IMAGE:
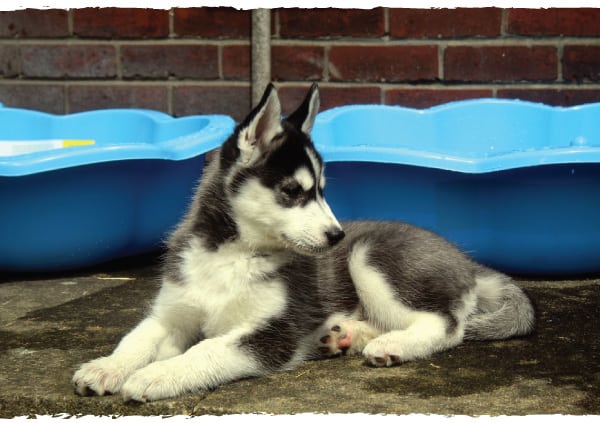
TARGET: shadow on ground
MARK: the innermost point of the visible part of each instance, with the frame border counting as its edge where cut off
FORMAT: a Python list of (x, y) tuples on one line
[(50, 325)]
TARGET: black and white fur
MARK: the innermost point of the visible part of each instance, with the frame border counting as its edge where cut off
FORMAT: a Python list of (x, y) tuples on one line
[(260, 276)]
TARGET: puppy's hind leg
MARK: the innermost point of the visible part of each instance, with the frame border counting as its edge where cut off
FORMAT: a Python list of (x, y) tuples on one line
[(425, 336), (409, 333)]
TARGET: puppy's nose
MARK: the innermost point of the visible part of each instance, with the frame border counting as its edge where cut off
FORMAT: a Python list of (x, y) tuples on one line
[(334, 236)]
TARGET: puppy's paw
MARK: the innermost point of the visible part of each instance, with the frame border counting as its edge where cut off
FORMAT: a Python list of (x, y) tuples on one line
[(102, 376), (153, 382), (347, 337), (380, 353), (338, 340)]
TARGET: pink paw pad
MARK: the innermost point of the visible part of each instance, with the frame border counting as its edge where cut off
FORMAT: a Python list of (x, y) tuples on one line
[(337, 341)]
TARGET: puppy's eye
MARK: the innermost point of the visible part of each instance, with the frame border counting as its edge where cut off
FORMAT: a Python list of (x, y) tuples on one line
[(292, 190)]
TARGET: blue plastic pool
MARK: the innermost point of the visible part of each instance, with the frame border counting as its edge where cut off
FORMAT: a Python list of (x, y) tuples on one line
[(514, 184), (73, 207)]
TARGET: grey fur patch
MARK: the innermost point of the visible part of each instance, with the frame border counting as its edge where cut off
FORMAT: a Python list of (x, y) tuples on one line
[(426, 272), (276, 343)]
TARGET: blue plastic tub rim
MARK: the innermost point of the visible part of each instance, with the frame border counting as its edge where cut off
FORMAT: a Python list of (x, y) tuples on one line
[(470, 136), (119, 134)]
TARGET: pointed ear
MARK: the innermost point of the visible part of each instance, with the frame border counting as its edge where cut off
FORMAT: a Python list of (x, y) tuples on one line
[(260, 127), (304, 117)]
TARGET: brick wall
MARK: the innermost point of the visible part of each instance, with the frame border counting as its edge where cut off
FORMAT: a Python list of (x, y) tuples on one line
[(189, 61)]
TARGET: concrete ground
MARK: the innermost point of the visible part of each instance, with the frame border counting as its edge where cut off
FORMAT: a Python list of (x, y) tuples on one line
[(51, 324)]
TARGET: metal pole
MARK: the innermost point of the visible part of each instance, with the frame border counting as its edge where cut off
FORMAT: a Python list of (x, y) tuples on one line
[(261, 52)]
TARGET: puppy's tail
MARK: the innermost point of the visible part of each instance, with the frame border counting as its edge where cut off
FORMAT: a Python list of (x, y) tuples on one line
[(503, 309)]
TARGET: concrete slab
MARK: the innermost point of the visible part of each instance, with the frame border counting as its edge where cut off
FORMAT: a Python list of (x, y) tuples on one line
[(51, 324)]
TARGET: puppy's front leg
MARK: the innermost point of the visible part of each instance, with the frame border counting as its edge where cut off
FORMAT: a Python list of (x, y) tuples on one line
[(207, 364), (106, 375)]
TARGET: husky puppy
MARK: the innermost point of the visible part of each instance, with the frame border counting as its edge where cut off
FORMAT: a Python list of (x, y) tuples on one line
[(260, 276)]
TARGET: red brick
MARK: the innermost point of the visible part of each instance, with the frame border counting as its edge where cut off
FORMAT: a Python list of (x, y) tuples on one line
[(423, 98), (31, 23), (43, 97), (10, 65), (510, 63), (91, 97), (212, 22), (581, 63), (555, 21), (170, 61), (340, 96), (297, 63), (383, 63), (553, 96), (232, 100), (292, 96), (331, 23), (68, 61), (445, 23), (236, 61), (112, 22)]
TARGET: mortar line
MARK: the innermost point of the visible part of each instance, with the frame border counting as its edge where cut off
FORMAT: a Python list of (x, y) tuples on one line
[(326, 75), (170, 106), (67, 92), (70, 23), (276, 25), (172, 34), (348, 42), (386, 22), (118, 61), (441, 62), (455, 86), (560, 48), (220, 70), (504, 24), (583, 86)]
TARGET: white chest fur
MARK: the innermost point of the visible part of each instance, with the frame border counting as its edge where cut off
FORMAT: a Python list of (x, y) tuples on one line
[(223, 290)]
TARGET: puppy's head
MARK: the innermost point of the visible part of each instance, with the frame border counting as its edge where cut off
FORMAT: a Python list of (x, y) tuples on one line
[(275, 178)]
